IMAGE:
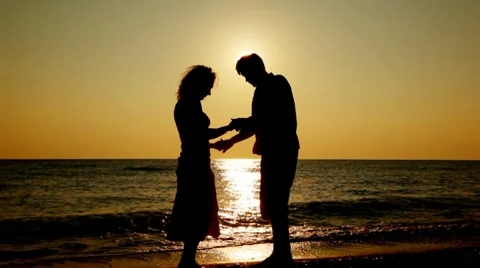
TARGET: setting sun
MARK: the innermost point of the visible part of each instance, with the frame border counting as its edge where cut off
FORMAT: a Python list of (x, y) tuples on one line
[(359, 144), (399, 89)]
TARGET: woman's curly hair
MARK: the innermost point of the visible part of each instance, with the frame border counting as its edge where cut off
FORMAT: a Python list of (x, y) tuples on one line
[(195, 77)]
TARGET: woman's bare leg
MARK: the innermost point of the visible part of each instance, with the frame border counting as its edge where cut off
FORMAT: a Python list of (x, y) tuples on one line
[(188, 254)]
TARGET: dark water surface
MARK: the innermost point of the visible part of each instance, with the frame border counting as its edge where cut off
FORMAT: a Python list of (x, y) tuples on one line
[(58, 208)]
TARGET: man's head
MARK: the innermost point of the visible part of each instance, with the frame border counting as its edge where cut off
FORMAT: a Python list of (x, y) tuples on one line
[(252, 68)]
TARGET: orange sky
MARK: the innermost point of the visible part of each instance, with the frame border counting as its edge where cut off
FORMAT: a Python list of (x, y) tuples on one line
[(372, 79)]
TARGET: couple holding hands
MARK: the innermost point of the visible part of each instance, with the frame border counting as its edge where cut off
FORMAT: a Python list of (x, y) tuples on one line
[(237, 124), (273, 123)]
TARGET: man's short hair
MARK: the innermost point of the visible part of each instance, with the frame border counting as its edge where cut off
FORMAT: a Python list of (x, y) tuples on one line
[(250, 62)]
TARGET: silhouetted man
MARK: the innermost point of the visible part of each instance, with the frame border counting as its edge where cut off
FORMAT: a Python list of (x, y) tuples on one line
[(274, 124)]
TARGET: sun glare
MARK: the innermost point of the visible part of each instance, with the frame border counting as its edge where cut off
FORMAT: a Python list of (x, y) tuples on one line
[(244, 53), (242, 184), (248, 253)]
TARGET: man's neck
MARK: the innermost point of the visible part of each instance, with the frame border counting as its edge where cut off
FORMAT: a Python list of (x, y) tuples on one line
[(263, 78)]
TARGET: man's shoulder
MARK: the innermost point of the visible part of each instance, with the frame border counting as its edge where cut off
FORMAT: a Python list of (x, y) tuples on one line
[(280, 81), (279, 76), (273, 83)]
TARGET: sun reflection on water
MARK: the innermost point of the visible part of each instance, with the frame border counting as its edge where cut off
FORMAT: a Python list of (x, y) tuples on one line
[(238, 187)]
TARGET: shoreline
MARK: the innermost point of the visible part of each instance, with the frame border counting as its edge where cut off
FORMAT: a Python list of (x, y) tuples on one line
[(306, 254)]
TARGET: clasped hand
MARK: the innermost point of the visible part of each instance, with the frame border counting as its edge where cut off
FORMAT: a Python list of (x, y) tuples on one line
[(238, 123), (224, 145)]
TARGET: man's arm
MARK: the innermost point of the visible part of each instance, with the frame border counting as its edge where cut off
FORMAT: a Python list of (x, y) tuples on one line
[(246, 126), (242, 123), (225, 145), (247, 130), (241, 136), (237, 123)]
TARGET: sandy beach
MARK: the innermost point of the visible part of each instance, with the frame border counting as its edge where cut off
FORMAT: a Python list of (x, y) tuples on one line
[(307, 254)]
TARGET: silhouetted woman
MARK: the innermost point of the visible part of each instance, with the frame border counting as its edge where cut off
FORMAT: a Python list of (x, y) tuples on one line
[(195, 211)]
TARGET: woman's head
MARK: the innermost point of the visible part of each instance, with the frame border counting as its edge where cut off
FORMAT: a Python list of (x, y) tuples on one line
[(196, 83)]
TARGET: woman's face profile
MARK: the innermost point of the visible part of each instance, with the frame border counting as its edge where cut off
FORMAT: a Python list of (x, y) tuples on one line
[(207, 89)]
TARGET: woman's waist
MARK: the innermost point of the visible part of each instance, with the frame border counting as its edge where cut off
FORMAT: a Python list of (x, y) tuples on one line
[(194, 157), (198, 166), (195, 148)]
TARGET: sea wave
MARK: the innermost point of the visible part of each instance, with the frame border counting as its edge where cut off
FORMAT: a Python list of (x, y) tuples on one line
[(138, 243), (22, 230), (384, 206), (150, 168), (111, 234), (362, 212)]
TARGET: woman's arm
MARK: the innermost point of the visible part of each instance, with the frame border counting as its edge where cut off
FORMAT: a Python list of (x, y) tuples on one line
[(225, 145), (246, 125), (214, 133)]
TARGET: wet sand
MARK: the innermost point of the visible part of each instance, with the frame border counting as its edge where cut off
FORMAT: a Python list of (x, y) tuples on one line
[(307, 254)]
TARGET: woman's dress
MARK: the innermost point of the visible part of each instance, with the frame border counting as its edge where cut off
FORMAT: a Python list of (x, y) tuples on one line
[(195, 210)]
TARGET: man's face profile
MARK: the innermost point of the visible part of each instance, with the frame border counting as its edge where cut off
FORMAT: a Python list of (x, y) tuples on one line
[(250, 78)]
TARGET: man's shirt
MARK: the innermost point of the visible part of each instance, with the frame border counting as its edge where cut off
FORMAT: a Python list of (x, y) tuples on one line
[(274, 118)]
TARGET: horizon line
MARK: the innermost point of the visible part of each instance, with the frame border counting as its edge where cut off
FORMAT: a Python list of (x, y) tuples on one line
[(245, 158)]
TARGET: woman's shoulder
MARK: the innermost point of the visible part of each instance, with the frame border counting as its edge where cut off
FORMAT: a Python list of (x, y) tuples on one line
[(185, 106), (178, 107)]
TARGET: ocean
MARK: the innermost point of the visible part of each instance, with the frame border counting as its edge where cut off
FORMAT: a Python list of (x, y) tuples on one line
[(72, 208)]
